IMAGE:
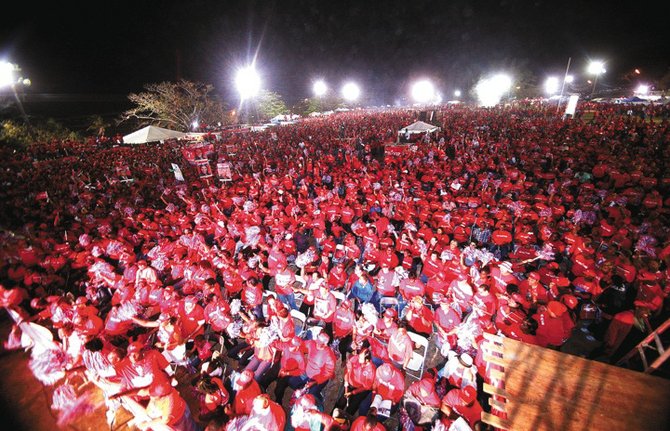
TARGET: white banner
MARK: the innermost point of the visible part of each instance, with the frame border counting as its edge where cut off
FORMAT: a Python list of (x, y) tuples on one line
[(572, 105), (177, 172)]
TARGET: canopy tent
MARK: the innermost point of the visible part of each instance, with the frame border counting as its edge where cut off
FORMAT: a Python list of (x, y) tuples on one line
[(151, 134), (419, 127)]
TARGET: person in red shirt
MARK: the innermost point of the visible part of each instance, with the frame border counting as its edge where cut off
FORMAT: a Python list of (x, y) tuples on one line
[(386, 281), (359, 376), (447, 319), (265, 415), (389, 384), (337, 277), (463, 402), (419, 317), (321, 364), (325, 305), (367, 423), (400, 347), (212, 397), (192, 317), (245, 389), (283, 285), (554, 324), (292, 364), (167, 409)]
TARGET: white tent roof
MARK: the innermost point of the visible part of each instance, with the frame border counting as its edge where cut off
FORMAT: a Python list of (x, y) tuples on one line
[(151, 134), (419, 127)]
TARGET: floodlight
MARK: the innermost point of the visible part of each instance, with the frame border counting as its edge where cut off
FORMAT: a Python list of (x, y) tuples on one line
[(642, 89), (596, 68), (490, 91), (350, 91), (457, 93), (551, 85), (6, 74), (248, 82), (569, 79), (423, 91), (320, 88)]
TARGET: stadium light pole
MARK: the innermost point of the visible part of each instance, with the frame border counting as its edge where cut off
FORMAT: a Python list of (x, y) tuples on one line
[(248, 84), (596, 68), (423, 91), (8, 79), (320, 88), (351, 92)]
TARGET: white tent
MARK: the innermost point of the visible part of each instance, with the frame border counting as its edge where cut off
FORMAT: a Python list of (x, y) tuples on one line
[(419, 127), (151, 134)]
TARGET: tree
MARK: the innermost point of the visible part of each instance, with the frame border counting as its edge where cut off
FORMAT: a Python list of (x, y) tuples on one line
[(175, 105), (97, 125), (21, 134), (266, 105), (270, 104)]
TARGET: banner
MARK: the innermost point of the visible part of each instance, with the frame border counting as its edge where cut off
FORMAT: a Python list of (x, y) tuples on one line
[(203, 168), (177, 172), (123, 172), (198, 152), (572, 105), (223, 171)]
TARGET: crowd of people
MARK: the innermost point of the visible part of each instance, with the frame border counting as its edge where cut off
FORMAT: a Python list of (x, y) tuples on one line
[(322, 258)]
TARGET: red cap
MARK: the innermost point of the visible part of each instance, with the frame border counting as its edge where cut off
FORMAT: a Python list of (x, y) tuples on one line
[(570, 301), (469, 394)]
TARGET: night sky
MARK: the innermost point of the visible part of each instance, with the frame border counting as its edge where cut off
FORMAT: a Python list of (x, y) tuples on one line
[(115, 47)]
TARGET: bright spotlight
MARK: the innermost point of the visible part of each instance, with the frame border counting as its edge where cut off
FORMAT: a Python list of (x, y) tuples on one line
[(195, 124), (248, 82), (569, 79), (596, 68), (551, 85), (642, 89), (350, 91), (6, 74), (491, 90), (457, 93), (423, 91), (320, 88)]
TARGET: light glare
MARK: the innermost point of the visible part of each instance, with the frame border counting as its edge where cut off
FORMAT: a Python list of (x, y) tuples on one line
[(6, 74), (642, 89), (350, 91), (491, 90), (596, 68), (423, 91), (248, 82), (320, 88), (551, 85)]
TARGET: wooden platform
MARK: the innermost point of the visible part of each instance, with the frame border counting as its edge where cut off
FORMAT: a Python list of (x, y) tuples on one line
[(549, 390)]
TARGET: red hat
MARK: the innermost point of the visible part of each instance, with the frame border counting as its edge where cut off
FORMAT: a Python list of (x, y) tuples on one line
[(469, 394), (570, 301), (534, 276), (562, 282), (556, 308)]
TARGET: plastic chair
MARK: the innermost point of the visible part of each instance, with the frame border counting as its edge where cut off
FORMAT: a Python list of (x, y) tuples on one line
[(300, 322), (416, 365), (388, 302)]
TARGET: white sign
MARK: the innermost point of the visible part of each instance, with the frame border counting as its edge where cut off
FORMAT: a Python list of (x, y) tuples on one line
[(572, 105), (177, 172)]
